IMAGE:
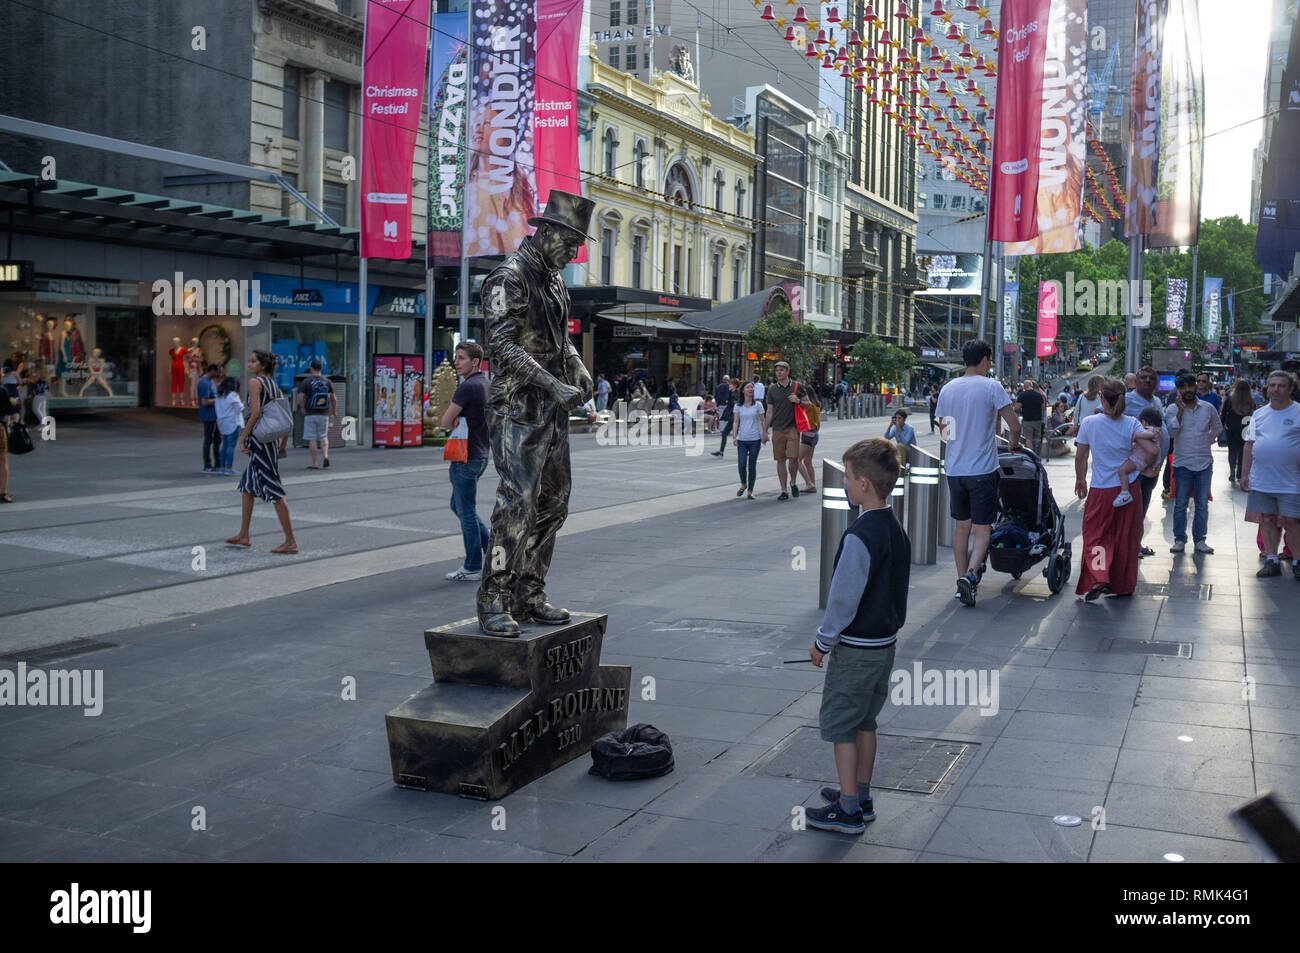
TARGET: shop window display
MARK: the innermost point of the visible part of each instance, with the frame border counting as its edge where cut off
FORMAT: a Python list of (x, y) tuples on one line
[(67, 348), (184, 354)]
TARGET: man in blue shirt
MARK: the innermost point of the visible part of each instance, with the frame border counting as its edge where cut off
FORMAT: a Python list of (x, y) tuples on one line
[(1206, 393), (900, 431), (207, 391)]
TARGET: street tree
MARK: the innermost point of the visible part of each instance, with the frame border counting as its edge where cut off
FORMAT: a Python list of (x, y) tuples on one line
[(877, 362), (779, 336)]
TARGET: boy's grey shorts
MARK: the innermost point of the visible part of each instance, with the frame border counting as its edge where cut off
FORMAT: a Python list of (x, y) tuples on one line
[(857, 684)]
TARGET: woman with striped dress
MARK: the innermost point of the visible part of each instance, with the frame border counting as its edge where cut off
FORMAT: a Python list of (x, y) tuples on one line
[(261, 479)]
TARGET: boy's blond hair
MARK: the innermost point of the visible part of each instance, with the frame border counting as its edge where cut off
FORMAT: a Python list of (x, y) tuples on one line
[(877, 460)]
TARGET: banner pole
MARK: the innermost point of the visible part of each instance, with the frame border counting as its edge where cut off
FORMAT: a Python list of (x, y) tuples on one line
[(985, 281), (361, 355), (1191, 292), (464, 204)]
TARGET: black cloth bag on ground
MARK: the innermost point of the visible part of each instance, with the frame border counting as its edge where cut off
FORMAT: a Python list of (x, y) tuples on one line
[(642, 751), (19, 441)]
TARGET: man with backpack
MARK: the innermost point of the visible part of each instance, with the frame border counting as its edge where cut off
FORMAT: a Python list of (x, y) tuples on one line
[(318, 404)]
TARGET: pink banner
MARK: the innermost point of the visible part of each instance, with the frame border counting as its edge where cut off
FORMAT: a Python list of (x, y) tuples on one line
[(396, 42), (523, 117), (1017, 131), (1062, 149), (1048, 295)]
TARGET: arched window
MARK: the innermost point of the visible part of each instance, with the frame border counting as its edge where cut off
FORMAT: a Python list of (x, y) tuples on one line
[(740, 195), (611, 144), (639, 153), (678, 186), (719, 185)]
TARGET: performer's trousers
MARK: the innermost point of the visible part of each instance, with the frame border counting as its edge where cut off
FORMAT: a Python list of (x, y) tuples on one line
[(532, 461)]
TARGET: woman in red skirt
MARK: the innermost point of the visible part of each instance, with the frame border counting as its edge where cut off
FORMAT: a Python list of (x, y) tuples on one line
[(1112, 535)]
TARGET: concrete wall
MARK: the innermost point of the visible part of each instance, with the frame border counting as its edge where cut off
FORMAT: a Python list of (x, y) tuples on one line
[(126, 69)]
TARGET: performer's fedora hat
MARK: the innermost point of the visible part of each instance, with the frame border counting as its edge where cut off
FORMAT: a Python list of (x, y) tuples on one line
[(567, 211)]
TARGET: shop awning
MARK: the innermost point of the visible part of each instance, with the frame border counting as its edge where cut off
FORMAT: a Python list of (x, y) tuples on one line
[(607, 300), (76, 210), (740, 315), (653, 324), (942, 366)]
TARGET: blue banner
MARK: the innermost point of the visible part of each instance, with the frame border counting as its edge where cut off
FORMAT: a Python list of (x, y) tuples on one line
[(278, 294), (1210, 306)]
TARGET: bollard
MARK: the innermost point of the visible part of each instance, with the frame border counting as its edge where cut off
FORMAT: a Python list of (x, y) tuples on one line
[(946, 522), (838, 515), (923, 506)]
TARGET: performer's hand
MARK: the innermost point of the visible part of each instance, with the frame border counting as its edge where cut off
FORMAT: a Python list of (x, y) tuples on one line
[(567, 394), (582, 380), (816, 656)]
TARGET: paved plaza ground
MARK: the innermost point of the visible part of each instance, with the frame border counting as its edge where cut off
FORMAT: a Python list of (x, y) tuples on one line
[(222, 683)]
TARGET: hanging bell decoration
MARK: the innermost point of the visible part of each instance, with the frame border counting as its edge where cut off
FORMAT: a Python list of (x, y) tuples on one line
[(767, 13)]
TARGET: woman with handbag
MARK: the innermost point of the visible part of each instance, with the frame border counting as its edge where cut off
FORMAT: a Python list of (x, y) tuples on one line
[(1237, 409), (6, 411), (808, 438), (264, 438)]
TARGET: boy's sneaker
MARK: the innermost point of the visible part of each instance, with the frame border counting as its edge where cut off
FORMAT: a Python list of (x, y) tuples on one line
[(1271, 568), (794, 491), (832, 817), (966, 588), (327, 463), (463, 575), (1180, 545), (1124, 498), (1203, 547), (831, 795)]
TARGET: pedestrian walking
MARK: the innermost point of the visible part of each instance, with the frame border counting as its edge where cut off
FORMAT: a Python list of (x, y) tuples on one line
[(261, 479), (933, 401), (207, 396), (1030, 405), (469, 403), (780, 423), (318, 404), (750, 435), (808, 439), (1090, 400), (1139, 399), (1271, 470), (602, 392), (727, 398), (865, 607), (1193, 426), (760, 390), (1112, 534), (6, 415), (1205, 392), (1237, 410), (900, 431), (968, 410), (230, 421)]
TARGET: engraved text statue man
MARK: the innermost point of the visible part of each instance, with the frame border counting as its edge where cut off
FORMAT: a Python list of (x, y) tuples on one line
[(539, 379)]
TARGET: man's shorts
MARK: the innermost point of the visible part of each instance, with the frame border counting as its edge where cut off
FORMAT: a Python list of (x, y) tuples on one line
[(785, 444), (974, 498), (1269, 504), (1032, 430), (857, 684), (315, 427)]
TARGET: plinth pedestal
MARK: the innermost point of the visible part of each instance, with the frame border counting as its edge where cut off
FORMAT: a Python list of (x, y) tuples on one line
[(504, 712)]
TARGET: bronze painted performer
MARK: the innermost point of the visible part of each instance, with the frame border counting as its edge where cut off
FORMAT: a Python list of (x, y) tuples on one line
[(539, 378)]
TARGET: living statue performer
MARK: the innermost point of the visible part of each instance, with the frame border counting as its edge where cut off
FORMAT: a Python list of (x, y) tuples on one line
[(539, 379)]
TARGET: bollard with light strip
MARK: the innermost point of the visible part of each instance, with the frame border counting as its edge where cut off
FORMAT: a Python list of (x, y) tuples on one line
[(946, 523), (838, 515), (898, 497), (923, 506)]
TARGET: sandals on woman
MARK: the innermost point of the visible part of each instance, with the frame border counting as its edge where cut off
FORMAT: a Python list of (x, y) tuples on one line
[(6, 498)]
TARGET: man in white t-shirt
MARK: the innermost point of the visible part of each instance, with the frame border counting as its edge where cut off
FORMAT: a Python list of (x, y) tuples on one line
[(1270, 470), (759, 389), (968, 410)]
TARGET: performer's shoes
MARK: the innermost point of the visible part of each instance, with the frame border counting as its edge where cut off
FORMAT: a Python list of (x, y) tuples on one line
[(545, 613), (499, 624)]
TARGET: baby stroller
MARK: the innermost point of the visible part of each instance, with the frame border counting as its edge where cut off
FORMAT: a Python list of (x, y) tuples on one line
[(1029, 526)]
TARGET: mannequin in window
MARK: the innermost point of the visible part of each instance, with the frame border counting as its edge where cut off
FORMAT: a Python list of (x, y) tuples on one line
[(177, 353), (193, 371), (98, 370), (72, 350)]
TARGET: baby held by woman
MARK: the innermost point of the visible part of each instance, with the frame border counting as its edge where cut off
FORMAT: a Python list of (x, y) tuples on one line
[(1145, 454)]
